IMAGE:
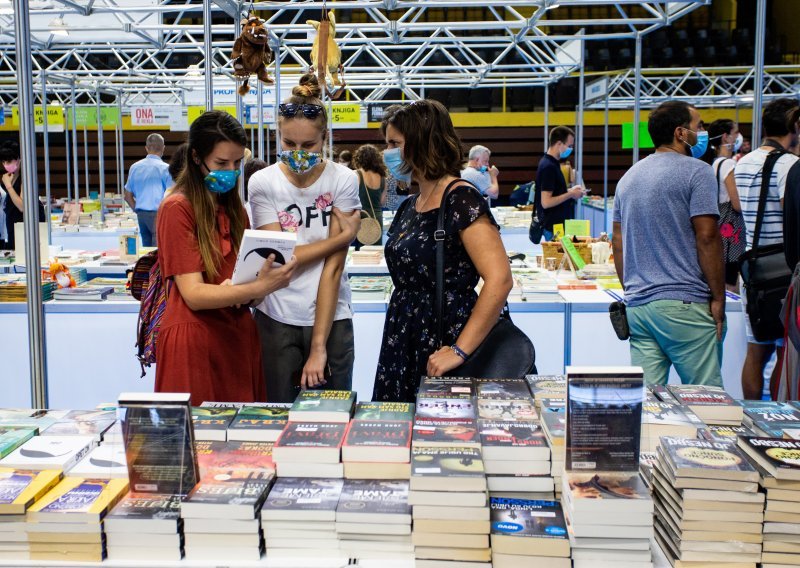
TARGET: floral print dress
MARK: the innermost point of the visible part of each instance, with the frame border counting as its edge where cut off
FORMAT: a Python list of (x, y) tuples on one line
[(409, 335)]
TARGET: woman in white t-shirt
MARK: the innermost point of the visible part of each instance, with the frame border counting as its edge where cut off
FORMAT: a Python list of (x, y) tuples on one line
[(306, 331), (724, 141)]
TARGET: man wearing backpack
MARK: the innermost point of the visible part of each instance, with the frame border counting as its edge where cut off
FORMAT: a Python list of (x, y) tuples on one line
[(778, 137)]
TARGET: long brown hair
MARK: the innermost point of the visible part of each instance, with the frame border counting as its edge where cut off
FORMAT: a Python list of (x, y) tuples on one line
[(205, 133), (432, 146), (369, 159)]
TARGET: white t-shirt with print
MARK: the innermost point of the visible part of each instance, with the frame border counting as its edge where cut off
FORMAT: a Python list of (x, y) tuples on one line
[(722, 169), (307, 212)]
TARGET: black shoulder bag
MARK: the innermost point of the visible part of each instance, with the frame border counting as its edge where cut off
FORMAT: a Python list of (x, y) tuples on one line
[(765, 274), (506, 352)]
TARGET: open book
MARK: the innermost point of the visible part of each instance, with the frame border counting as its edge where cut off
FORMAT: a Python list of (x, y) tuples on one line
[(255, 249)]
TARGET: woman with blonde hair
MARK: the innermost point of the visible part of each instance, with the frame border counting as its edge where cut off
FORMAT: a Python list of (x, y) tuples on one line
[(307, 328)]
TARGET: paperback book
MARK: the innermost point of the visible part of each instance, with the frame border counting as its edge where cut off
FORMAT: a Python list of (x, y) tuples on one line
[(256, 247), (447, 469), (433, 387), (259, 423), (323, 406), (13, 438), (105, 462), (19, 489), (317, 442), (547, 386), (303, 499), (49, 452), (528, 528), (237, 494), (403, 411), (606, 493), (513, 441), (506, 409), (720, 433), (687, 457), (211, 423), (145, 513), (502, 389), (374, 501), (377, 441), (604, 418), (778, 456), (711, 404), (429, 432), (78, 498), (455, 407)]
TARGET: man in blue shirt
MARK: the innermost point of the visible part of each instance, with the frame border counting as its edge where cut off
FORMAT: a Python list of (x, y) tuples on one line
[(480, 174), (668, 252), (553, 202), (148, 179)]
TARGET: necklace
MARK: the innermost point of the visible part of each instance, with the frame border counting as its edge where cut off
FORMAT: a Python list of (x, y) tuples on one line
[(431, 194)]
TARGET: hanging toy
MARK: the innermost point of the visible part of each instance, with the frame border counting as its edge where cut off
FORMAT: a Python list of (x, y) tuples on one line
[(326, 56), (251, 53), (60, 274)]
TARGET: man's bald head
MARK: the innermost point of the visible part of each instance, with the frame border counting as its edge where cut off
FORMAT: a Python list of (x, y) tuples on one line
[(155, 144)]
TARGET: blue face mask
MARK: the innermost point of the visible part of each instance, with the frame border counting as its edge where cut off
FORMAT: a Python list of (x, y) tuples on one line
[(566, 154), (483, 169), (396, 165), (738, 143), (702, 144), (221, 181)]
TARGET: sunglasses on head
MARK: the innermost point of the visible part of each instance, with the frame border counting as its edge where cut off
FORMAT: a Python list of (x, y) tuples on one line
[(289, 110)]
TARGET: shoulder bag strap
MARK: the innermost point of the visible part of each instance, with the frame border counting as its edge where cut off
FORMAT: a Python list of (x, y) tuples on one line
[(363, 183), (439, 237), (719, 163), (766, 176)]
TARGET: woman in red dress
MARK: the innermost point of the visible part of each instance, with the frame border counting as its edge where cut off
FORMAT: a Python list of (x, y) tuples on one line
[(208, 344)]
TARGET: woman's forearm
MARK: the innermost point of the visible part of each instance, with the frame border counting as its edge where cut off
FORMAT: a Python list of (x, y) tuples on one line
[(327, 299), (16, 198)]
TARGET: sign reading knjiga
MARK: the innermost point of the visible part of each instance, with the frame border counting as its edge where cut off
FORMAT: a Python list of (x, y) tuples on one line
[(55, 118)]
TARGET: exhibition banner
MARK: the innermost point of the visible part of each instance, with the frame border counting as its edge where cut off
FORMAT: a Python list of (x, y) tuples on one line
[(55, 118), (87, 117)]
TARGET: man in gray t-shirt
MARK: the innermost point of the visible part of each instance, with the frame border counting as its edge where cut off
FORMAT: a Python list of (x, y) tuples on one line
[(668, 253)]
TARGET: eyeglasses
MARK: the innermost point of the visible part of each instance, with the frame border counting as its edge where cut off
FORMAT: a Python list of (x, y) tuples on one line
[(289, 110)]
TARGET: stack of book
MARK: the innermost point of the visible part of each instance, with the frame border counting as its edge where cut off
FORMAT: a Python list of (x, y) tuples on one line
[(536, 286), (378, 441), (12, 438), (261, 422), (770, 418), (546, 387), (368, 257), (661, 418), (450, 507), (299, 518), (373, 519), (711, 404), (221, 514), (610, 519), (554, 426), (20, 489), (779, 463), (50, 452), (83, 423), (528, 533), (13, 288), (514, 448), (370, 288), (67, 523), (311, 443), (106, 461), (445, 413), (708, 508), (145, 527)]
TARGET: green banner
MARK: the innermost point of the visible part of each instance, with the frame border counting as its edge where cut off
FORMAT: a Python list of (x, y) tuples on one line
[(87, 116), (627, 136)]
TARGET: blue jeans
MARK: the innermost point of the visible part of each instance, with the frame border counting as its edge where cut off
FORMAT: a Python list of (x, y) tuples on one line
[(147, 227)]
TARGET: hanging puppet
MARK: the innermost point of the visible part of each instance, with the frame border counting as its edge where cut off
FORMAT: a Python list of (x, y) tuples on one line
[(251, 53), (326, 57)]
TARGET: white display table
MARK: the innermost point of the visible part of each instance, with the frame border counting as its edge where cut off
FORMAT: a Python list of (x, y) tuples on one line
[(87, 238)]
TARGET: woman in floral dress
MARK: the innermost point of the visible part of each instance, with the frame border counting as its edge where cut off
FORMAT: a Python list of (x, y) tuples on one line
[(423, 147), (306, 332)]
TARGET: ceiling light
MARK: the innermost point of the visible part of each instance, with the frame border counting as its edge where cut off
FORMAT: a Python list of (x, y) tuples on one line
[(58, 27)]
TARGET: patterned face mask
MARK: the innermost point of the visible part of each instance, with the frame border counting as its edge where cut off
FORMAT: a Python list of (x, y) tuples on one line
[(221, 181), (300, 161)]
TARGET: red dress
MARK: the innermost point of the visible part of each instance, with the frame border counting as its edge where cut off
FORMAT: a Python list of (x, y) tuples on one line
[(213, 354)]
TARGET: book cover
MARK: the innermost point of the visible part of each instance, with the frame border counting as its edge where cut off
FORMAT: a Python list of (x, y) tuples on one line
[(73, 427), (553, 405), (312, 435), (781, 457), (604, 418), (159, 442), (433, 387), (511, 434), (446, 462), (773, 428), (504, 409), (256, 247), (753, 407), (249, 488), (80, 496), (445, 432), (717, 433), (453, 407), (332, 403), (659, 413), (661, 392), (526, 518), (547, 386), (272, 417), (105, 461), (403, 411), (555, 426), (702, 458), (240, 455), (701, 395), (13, 438), (212, 418), (368, 433), (147, 507), (96, 293), (21, 488), (502, 389), (605, 487), (374, 497), (304, 494), (49, 452)]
